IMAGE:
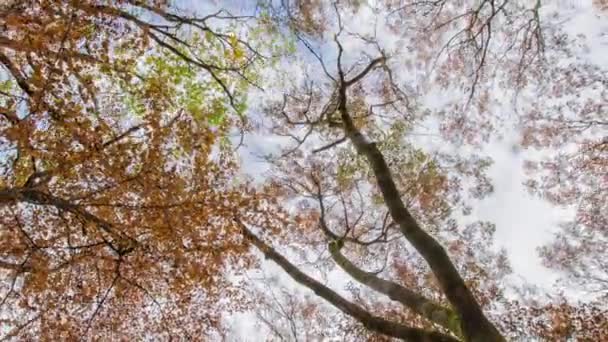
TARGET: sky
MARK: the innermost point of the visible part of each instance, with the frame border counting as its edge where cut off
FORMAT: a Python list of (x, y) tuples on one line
[(523, 221)]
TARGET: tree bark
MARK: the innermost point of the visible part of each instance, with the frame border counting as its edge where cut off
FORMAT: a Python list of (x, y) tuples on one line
[(475, 325)]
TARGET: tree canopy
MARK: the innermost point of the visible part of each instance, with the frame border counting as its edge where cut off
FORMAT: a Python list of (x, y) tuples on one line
[(128, 210)]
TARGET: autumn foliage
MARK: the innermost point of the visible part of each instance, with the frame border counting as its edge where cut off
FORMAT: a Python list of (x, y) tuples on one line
[(117, 200), (124, 214)]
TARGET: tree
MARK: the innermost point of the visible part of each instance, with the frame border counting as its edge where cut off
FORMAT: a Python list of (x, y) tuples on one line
[(572, 135), (328, 112), (538, 57), (116, 196), (342, 117), (124, 213)]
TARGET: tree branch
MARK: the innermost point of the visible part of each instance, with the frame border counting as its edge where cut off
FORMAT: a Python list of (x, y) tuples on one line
[(419, 304), (370, 321)]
